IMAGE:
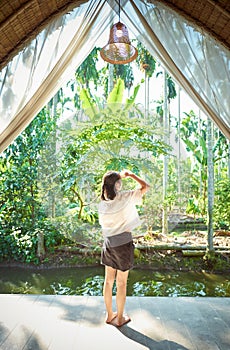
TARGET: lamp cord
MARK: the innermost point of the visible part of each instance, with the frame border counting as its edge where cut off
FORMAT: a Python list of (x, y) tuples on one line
[(119, 9)]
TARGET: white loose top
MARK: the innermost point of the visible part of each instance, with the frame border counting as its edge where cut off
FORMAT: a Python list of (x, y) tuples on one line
[(120, 214)]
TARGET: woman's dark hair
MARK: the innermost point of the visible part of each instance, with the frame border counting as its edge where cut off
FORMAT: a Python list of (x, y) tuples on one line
[(108, 184)]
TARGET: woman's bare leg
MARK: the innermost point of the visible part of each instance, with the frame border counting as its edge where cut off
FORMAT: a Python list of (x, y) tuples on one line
[(110, 275), (121, 283)]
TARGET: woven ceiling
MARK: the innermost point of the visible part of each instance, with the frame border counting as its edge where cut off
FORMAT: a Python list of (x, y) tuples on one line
[(213, 16), (22, 20)]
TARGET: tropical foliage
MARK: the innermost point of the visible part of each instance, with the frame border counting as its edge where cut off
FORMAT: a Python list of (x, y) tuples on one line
[(50, 175)]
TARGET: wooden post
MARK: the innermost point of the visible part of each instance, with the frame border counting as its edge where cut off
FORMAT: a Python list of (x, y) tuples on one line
[(41, 245)]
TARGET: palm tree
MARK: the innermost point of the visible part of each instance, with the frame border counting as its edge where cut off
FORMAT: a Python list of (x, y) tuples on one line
[(87, 71)]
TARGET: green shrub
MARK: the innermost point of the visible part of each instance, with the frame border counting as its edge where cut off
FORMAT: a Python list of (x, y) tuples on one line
[(222, 205), (18, 246)]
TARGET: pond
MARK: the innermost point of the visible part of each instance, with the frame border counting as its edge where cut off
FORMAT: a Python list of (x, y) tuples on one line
[(89, 281)]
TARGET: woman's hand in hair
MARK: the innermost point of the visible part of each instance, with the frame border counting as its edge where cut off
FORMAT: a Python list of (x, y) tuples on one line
[(144, 185), (125, 173)]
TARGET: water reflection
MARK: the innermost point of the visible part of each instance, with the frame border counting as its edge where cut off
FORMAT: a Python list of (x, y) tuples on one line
[(89, 281), (154, 288), (176, 284)]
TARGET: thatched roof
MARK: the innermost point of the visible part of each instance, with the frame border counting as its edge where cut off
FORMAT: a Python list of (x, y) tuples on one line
[(213, 16), (22, 20)]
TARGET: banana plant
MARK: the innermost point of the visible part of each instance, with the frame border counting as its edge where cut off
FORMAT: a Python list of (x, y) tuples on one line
[(115, 101), (194, 135)]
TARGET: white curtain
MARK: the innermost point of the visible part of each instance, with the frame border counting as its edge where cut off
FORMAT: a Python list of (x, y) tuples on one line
[(33, 77), (199, 64)]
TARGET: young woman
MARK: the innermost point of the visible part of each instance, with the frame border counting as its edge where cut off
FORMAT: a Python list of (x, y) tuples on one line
[(118, 217)]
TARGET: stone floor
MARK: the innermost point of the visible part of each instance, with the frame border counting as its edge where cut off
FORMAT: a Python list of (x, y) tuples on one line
[(77, 322)]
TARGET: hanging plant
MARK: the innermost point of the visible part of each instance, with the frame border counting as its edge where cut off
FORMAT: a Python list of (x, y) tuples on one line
[(145, 60)]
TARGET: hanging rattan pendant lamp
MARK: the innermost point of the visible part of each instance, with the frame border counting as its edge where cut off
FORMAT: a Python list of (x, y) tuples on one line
[(119, 49)]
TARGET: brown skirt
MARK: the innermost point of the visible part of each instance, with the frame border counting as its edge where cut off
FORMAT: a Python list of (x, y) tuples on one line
[(120, 258)]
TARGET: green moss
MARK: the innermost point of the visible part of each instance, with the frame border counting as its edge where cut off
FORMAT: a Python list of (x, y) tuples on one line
[(216, 261)]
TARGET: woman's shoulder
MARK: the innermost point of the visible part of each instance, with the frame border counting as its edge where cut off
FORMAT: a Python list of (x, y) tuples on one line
[(133, 195), (126, 193)]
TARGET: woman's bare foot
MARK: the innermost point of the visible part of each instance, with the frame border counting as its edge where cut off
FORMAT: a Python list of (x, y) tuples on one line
[(121, 321), (111, 317)]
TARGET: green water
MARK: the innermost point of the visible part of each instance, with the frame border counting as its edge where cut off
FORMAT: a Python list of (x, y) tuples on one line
[(89, 281)]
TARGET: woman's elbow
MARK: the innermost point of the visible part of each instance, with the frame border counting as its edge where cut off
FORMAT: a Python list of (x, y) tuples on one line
[(145, 188)]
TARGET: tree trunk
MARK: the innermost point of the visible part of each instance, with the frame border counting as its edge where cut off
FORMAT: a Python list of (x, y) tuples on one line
[(146, 95), (41, 245), (54, 165), (200, 165), (229, 159), (210, 184), (179, 152), (32, 196), (178, 247), (165, 160)]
